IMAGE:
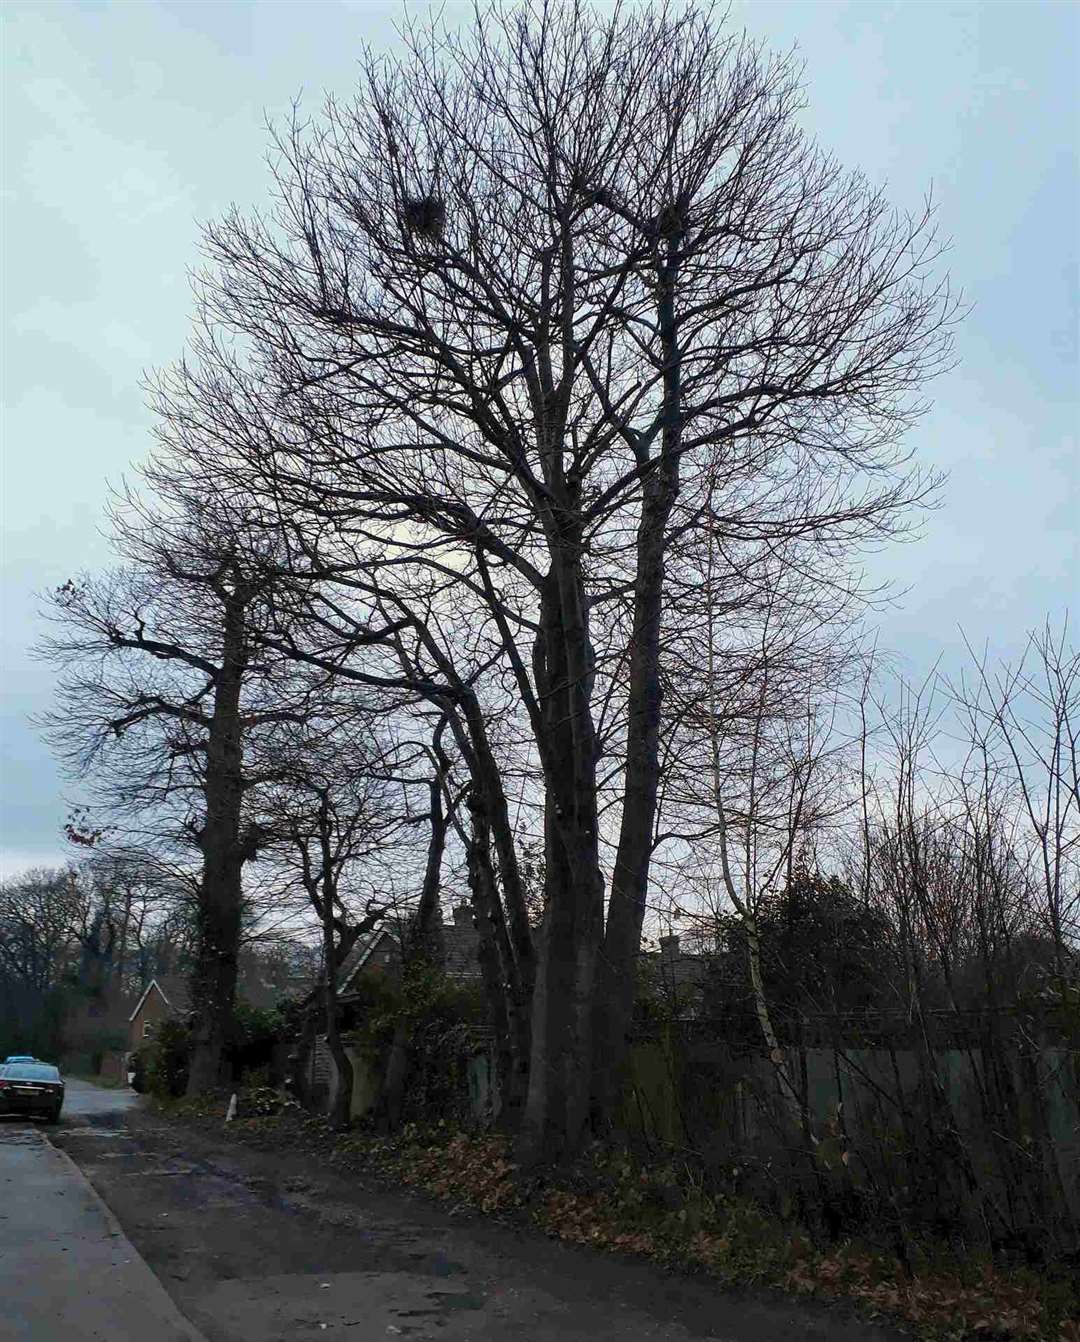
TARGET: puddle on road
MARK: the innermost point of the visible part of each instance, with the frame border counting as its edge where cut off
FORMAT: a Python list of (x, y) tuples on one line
[(95, 1132), (13, 1136), (160, 1173)]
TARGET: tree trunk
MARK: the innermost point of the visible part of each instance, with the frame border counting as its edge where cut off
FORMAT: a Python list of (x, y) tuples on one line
[(340, 1107), (508, 952), (300, 1056), (561, 1064), (392, 1101), (487, 784), (428, 944), (507, 1009), (219, 901), (630, 879)]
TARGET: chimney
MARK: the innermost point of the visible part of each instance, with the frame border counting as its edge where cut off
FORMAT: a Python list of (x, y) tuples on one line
[(669, 949), (463, 916)]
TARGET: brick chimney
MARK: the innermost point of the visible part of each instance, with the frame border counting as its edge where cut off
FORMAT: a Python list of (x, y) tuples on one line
[(463, 916), (669, 949)]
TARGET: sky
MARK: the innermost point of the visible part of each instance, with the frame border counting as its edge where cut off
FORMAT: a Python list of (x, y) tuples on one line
[(128, 125)]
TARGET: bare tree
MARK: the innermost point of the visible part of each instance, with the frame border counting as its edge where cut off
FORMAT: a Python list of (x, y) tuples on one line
[(164, 692), (515, 293), (341, 817), (969, 849), (1024, 724), (38, 912)]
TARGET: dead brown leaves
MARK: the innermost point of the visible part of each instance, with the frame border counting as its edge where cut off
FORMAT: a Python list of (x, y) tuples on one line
[(996, 1304)]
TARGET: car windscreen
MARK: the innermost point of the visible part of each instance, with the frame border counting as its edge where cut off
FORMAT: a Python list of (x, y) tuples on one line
[(28, 1071)]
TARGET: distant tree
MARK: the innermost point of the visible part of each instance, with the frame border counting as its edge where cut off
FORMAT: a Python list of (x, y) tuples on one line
[(165, 701), (335, 818), (39, 910)]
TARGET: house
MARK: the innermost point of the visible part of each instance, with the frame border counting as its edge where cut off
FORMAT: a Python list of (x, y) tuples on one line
[(677, 978), (265, 979), (96, 1026), (377, 953), (163, 998), (380, 953)]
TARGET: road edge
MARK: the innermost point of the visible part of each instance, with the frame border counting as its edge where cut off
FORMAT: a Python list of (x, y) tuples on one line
[(178, 1319)]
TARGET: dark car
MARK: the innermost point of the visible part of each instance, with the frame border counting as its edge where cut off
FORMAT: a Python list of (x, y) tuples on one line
[(31, 1088)]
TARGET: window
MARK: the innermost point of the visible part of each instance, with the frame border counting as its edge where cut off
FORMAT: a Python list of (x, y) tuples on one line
[(24, 1071), (148, 1030)]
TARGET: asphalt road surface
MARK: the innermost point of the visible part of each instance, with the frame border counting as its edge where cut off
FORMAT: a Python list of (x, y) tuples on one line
[(269, 1247), (67, 1271), (83, 1100)]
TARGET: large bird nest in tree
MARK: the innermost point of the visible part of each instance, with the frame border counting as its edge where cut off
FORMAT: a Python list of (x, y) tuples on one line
[(424, 216)]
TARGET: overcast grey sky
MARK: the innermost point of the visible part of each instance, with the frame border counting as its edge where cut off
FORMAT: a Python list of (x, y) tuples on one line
[(125, 125)]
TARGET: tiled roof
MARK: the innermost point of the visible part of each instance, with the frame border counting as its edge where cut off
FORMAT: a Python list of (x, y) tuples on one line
[(359, 955), (461, 952), (460, 944), (176, 990), (173, 988)]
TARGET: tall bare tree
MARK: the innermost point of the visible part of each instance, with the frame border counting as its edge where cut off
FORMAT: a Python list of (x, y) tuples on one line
[(163, 700), (514, 295)]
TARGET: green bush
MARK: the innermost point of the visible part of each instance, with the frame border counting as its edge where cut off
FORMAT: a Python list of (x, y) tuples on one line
[(256, 1031), (264, 1102), (438, 1015), (167, 1060)]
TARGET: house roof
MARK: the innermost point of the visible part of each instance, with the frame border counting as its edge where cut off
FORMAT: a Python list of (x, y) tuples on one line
[(461, 947), (682, 976), (173, 989), (460, 944), (361, 953), (266, 993)]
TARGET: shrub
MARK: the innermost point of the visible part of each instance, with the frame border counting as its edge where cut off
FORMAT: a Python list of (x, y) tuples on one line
[(264, 1102), (138, 1067), (167, 1060), (257, 1030)]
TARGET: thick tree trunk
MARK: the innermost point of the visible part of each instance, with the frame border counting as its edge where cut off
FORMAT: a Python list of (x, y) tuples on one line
[(219, 903), (630, 879), (560, 1073)]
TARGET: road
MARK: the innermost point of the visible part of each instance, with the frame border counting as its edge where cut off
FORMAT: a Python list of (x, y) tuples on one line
[(268, 1247), (82, 1100), (66, 1268)]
